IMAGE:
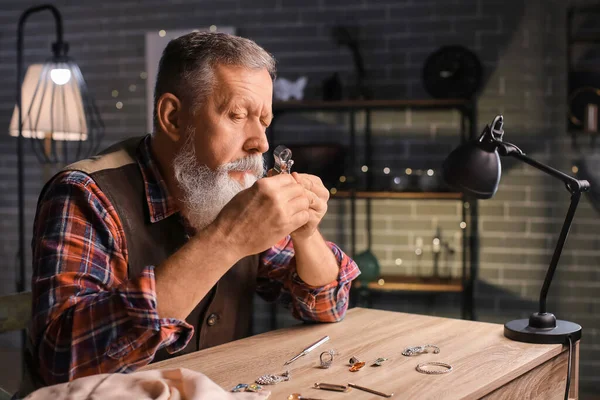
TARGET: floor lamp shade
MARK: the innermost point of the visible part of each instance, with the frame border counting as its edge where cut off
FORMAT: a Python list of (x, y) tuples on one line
[(59, 115), (52, 105)]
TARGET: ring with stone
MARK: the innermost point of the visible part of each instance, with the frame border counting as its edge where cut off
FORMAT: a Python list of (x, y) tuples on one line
[(326, 358)]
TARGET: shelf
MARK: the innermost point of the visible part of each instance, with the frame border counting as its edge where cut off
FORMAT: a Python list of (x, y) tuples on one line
[(413, 284), (400, 195), (583, 132), (319, 105), (589, 39), (584, 8)]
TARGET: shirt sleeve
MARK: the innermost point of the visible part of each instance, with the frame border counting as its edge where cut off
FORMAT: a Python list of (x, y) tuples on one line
[(88, 317), (278, 280)]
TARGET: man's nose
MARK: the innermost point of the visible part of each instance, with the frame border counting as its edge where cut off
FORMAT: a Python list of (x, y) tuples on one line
[(257, 139)]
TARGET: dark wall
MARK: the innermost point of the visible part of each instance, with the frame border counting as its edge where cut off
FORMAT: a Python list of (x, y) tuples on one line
[(521, 45)]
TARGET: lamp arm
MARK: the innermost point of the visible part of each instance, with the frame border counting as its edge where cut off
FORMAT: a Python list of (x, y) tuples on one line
[(20, 166), (574, 186)]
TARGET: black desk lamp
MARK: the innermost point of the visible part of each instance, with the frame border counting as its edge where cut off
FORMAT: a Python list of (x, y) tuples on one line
[(474, 168)]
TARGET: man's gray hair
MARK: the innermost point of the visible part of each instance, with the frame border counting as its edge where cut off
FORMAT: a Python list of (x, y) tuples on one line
[(186, 68)]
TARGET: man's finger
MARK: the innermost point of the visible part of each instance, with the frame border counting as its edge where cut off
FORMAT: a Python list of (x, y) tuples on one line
[(281, 179), (297, 204), (299, 219), (314, 184), (315, 202), (290, 192), (303, 180)]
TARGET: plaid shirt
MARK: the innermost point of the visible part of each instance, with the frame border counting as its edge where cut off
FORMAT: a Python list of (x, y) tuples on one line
[(85, 308)]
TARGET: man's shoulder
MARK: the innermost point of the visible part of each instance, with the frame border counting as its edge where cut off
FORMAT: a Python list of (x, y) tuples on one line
[(71, 177), (68, 183), (115, 156)]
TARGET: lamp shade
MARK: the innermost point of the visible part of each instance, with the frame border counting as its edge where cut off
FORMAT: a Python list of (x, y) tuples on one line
[(474, 169), (52, 105), (58, 108)]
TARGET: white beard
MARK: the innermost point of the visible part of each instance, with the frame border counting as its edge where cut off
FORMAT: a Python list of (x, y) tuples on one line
[(205, 192)]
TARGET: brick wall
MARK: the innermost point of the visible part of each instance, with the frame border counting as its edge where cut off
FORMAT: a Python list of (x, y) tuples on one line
[(522, 47)]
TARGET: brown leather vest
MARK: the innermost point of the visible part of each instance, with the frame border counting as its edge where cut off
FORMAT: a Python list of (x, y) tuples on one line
[(225, 314)]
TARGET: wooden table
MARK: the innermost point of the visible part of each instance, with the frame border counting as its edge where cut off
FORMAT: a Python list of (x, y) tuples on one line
[(486, 364)]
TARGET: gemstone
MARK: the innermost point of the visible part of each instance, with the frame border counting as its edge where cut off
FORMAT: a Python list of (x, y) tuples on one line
[(356, 366)]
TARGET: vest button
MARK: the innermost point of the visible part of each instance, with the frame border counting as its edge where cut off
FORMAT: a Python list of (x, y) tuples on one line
[(212, 319)]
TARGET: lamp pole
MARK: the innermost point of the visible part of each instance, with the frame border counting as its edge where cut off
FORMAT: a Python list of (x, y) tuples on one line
[(20, 167)]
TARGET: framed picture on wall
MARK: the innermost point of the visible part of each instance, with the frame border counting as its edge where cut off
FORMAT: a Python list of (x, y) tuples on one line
[(155, 44)]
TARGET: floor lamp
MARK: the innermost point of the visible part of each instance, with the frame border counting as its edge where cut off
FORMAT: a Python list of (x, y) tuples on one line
[(54, 111)]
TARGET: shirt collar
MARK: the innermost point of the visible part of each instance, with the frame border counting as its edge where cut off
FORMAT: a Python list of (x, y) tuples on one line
[(160, 202)]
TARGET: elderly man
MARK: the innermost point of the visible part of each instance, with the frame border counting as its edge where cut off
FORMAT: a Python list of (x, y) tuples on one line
[(155, 247)]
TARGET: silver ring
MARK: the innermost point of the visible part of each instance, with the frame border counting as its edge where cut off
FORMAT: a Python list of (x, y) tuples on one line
[(326, 358), (411, 351), (436, 349), (422, 368)]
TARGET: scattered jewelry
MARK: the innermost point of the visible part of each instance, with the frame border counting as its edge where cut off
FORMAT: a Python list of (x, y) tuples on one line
[(423, 368), (370, 390), (327, 358), (353, 361), (239, 387), (273, 379), (254, 388), (356, 366), (411, 351), (331, 386), (379, 362)]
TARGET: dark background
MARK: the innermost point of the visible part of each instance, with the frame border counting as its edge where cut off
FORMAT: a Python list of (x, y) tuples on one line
[(523, 50)]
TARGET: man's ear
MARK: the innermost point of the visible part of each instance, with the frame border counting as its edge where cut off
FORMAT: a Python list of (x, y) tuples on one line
[(169, 116)]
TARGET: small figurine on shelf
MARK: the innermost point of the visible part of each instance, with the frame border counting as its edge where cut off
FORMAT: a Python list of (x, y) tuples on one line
[(285, 89), (428, 180), (332, 88), (448, 255), (348, 36), (439, 246), (368, 265), (436, 249), (418, 253)]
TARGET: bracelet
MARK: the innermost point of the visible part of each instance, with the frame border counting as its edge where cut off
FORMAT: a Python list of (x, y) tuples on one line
[(422, 368)]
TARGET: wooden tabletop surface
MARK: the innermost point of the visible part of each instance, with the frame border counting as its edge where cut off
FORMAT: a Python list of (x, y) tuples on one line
[(482, 358)]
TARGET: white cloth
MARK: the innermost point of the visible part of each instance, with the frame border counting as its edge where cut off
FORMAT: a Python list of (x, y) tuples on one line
[(169, 384)]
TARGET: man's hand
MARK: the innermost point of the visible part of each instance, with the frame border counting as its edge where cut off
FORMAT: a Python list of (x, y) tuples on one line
[(256, 218), (318, 195)]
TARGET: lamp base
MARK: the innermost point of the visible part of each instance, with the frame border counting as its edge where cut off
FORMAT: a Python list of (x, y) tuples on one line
[(521, 331)]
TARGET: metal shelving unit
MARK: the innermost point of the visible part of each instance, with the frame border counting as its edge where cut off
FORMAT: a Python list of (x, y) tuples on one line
[(470, 256), (574, 40), (399, 195)]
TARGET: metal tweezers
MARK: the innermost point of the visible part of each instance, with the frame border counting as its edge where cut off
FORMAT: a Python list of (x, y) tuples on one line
[(308, 349)]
